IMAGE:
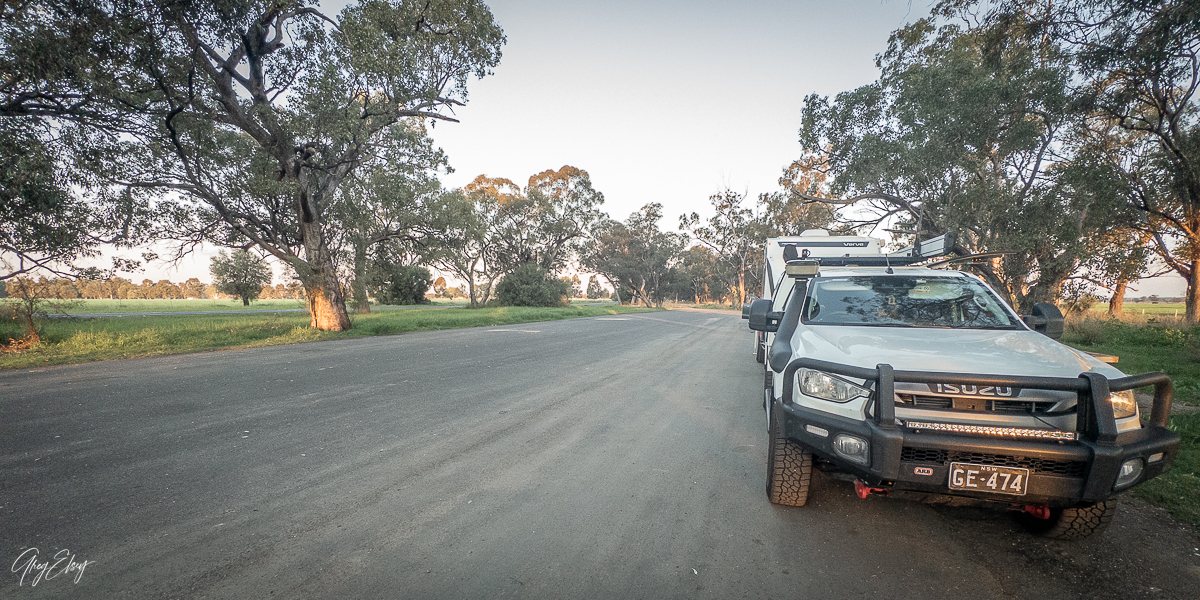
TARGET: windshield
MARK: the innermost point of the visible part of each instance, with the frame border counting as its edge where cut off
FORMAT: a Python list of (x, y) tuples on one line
[(897, 300)]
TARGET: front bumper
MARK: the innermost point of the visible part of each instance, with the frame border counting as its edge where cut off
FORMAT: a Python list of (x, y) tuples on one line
[(1061, 473)]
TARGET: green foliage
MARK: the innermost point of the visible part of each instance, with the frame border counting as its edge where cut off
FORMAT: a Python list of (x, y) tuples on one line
[(636, 255), (1133, 68), (736, 240), (494, 226), (29, 301), (531, 285), (253, 114), (240, 274), (699, 277), (66, 66), (403, 284), (593, 288), (1077, 298), (390, 207), (546, 222), (976, 130)]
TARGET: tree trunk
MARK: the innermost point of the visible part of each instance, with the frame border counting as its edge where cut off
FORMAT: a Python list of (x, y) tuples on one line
[(326, 304), (1048, 288), (245, 302), (1193, 293), (359, 287), (1116, 304), (741, 289), (471, 292), (616, 289)]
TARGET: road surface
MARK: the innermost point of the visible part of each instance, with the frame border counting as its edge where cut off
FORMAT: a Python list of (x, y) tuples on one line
[(609, 457)]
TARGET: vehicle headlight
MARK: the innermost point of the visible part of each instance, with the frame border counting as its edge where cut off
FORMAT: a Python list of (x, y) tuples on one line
[(829, 387), (1124, 404)]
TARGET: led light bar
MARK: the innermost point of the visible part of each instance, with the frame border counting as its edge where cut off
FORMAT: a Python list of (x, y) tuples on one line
[(1017, 432)]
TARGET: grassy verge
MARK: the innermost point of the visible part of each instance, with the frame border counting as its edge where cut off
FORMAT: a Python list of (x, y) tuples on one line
[(1178, 490), (107, 338), (84, 307), (1145, 344), (1154, 344), (712, 306)]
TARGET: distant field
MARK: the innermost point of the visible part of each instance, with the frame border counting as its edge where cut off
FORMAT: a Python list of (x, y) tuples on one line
[(1168, 308), (85, 307)]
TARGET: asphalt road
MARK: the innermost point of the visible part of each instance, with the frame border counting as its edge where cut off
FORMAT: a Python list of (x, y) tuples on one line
[(610, 457)]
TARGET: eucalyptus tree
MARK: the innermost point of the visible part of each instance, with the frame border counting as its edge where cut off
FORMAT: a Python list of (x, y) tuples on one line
[(492, 226), (735, 235), (968, 129), (636, 254), (391, 201), (698, 275), (240, 274), (547, 221), (1139, 67), (265, 108), (67, 69), (472, 225)]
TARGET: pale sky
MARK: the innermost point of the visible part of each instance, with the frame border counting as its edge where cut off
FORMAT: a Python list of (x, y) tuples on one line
[(665, 101)]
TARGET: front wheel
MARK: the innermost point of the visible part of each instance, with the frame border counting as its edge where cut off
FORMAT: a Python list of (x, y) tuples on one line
[(789, 467), (1072, 523)]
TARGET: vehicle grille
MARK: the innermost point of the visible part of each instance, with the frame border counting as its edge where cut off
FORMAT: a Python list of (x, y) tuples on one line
[(1037, 465), (1021, 407)]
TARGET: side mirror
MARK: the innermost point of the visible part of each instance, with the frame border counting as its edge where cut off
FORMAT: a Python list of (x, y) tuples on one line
[(750, 298), (1045, 319), (762, 318)]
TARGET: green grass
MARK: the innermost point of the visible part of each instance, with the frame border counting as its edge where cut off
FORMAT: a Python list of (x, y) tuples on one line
[(1139, 308), (1145, 344), (83, 307), (1154, 343), (106, 338), (143, 305), (1178, 490)]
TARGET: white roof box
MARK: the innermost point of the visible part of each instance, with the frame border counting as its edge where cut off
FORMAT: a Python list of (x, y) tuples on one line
[(820, 244)]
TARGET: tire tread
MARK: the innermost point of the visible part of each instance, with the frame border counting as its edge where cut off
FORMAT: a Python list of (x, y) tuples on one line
[(789, 469)]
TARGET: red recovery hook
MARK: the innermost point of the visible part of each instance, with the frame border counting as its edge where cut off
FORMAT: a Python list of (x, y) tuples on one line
[(863, 490), (1040, 512)]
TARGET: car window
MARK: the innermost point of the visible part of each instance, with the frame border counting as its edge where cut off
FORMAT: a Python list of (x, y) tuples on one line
[(899, 300)]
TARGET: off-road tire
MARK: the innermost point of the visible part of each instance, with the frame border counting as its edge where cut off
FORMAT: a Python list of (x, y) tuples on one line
[(1072, 523), (789, 468)]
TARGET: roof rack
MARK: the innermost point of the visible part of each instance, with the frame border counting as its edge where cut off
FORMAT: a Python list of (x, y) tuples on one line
[(868, 261)]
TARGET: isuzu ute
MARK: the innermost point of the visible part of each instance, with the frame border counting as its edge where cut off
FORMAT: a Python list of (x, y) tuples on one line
[(923, 383)]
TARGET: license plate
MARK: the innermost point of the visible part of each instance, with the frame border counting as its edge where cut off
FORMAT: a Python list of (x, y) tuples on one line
[(988, 478)]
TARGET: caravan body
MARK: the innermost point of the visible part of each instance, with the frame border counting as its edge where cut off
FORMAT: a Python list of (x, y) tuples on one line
[(814, 243)]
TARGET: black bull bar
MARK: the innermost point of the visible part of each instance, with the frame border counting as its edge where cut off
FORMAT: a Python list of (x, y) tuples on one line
[(1095, 422)]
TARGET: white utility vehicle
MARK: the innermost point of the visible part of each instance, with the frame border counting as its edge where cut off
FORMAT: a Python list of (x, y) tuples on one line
[(923, 383)]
